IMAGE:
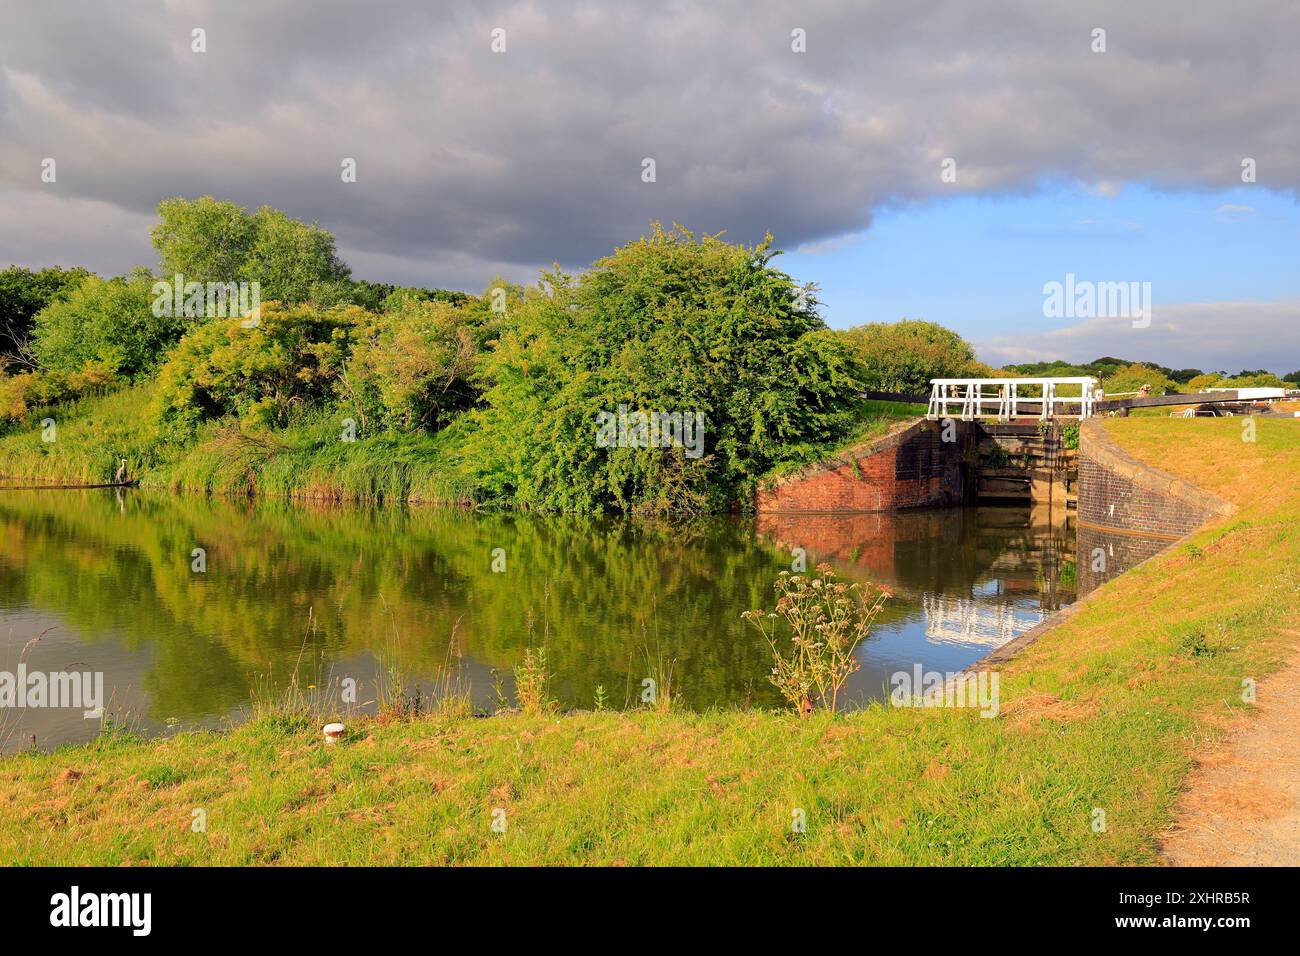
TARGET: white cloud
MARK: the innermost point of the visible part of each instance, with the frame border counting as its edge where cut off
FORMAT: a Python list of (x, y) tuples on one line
[(1229, 335)]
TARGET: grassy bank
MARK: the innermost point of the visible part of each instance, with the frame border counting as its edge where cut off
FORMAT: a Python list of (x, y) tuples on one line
[(1105, 712), (306, 460)]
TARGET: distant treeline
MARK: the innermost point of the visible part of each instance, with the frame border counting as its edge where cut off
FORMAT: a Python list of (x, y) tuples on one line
[(1117, 374)]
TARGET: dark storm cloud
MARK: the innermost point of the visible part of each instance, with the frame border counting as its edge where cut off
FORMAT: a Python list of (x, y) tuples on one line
[(472, 162)]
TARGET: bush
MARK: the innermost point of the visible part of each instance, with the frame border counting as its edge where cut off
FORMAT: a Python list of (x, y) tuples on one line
[(1254, 380), (291, 358), (411, 368), (1133, 377), (904, 356), (1200, 383), (107, 322), (26, 392), (668, 324)]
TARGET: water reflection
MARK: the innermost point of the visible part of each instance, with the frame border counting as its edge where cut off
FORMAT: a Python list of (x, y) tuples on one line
[(1104, 553), (104, 580)]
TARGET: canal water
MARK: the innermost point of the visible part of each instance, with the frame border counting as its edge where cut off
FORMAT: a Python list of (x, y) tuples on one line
[(193, 608)]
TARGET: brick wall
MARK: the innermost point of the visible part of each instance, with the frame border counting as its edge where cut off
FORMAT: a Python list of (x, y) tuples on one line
[(911, 467), (1129, 509)]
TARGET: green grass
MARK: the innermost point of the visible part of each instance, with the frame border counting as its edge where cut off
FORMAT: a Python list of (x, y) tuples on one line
[(1104, 712), (875, 418), (308, 459), (91, 436)]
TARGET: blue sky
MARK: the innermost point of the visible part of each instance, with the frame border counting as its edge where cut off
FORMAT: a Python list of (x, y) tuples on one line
[(978, 264)]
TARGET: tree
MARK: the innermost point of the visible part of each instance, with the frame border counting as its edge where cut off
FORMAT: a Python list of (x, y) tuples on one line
[(110, 322), (904, 356), (23, 293), (288, 256), (698, 333), (1202, 382), (1133, 377), (1292, 377), (1257, 379), (205, 240)]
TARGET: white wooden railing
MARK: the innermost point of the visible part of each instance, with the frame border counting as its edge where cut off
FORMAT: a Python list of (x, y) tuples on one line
[(970, 398)]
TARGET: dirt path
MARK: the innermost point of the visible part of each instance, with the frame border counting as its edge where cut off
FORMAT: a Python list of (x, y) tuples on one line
[(1242, 806)]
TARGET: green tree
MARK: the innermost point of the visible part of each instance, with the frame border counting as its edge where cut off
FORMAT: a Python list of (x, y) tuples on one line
[(110, 322), (288, 256), (1133, 377), (1256, 379), (206, 240), (412, 367), (1202, 382), (23, 293), (904, 356), (669, 324), (203, 239)]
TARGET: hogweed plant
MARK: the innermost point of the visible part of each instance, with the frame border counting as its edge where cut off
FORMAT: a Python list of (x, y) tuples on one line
[(826, 620)]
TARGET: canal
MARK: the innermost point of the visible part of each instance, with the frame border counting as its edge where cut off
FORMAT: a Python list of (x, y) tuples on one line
[(194, 609)]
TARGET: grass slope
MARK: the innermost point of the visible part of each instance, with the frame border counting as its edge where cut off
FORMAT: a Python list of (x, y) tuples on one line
[(1105, 712), (307, 460)]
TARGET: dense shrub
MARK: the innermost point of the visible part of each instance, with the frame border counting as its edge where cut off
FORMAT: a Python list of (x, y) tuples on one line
[(411, 368), (904, 356), (292, 357), (26, 392), (109, 322), (668, 324), (1246, 379), (1254, 380), (1201, 382)]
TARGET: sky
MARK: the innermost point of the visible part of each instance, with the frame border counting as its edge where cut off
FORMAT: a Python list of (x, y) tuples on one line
[(931, 159)]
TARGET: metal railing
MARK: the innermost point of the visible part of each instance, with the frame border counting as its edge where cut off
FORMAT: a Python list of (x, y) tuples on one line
[(1001, 398)]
